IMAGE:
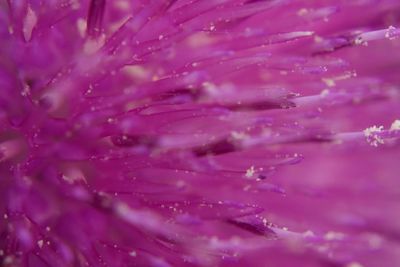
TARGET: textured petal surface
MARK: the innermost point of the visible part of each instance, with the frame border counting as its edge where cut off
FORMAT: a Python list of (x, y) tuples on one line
[(199, 133)]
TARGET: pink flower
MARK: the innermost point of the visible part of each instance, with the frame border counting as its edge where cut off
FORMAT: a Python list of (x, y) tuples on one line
[(199, 133)]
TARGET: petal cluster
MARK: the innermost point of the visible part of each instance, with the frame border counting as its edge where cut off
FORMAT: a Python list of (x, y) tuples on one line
[(199, 133)]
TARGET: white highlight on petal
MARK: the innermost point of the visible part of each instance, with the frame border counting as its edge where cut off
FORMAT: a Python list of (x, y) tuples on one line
[(372, 136), (334, 236), (81, 25), (250, 172), (30, 21), (40, 243), (395, 125), (133, 253), (73, 175), (390, 33), (324, 92), (354, 264)]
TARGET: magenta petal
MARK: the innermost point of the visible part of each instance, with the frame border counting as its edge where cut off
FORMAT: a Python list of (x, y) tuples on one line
[(169, 133)]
